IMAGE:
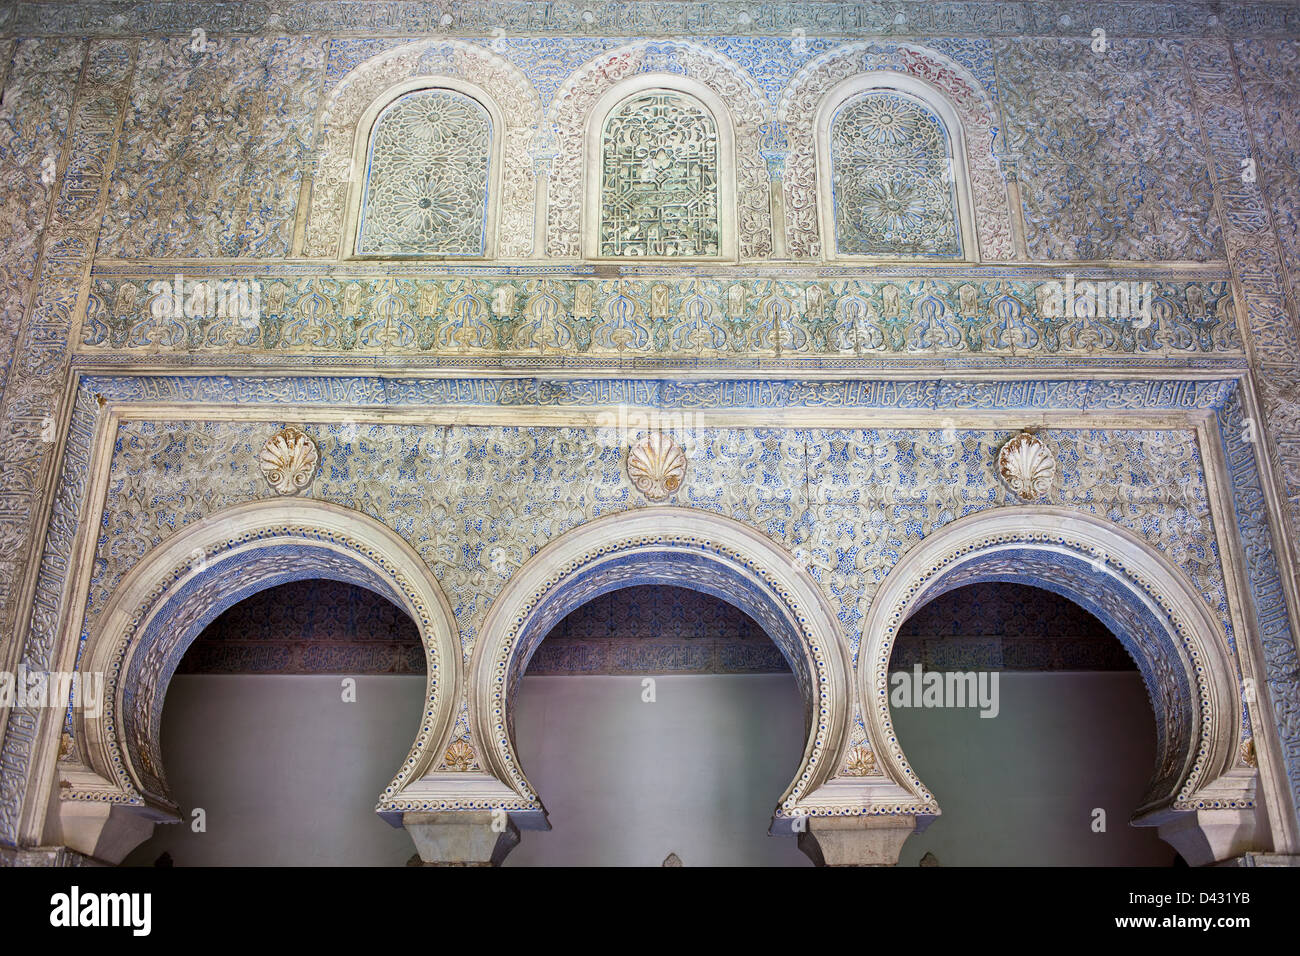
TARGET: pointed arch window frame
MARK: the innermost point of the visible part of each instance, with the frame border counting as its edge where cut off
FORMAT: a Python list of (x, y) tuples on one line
[(888, 81), (361, 152), (593, 162)]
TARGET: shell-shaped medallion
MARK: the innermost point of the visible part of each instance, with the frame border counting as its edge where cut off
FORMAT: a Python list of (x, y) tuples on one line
[(657, 466), (289, 461), (1027, 466)]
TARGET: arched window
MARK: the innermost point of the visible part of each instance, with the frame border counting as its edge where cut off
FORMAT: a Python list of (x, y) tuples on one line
[(659, 178), (892, 178), (427, 174)]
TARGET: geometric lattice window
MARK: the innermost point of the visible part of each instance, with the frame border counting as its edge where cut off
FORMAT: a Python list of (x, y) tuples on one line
[(659, 179), (426, 186), (892, 180)]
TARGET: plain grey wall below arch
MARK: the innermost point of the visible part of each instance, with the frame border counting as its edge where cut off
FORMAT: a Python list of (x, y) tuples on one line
[(288, 773)]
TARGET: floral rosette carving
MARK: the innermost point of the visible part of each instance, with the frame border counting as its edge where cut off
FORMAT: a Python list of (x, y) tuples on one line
[(1027, 466), (861, 762), (289, 460), (656, 465), (460, 756)]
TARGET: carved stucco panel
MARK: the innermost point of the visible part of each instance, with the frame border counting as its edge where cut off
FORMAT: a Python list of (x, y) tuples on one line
[(509, 90), (804, 96), (1280, 387), (571, 110), (838, 320), (214, 147), (34, 115), (1258, 255), (1109, 152), (38, 375), (1270, 78)]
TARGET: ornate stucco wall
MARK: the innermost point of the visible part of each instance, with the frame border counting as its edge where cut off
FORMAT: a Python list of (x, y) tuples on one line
[(846, 408)]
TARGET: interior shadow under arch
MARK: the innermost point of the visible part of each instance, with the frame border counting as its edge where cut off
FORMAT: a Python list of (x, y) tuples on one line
[(657, 721), (284, 719), (1159, 617), (1031, 723)]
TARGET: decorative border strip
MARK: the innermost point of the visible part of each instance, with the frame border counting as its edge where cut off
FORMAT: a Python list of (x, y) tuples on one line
[(889, 18), (1264, 582), (107, 267), (753, 366), (37, 384), (634, 319), (931, 394)]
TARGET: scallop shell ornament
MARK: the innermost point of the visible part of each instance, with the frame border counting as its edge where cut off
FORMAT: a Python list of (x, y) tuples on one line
[(1027, 466), (289, 461), (657, 466)]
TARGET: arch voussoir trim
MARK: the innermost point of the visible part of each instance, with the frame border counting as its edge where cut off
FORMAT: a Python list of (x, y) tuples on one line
[(173, 592), (689, 548), (1178, 645)]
